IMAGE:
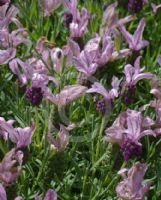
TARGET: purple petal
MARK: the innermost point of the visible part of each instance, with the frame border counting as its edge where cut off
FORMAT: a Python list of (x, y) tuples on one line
[(139, 32), (159, 60), (142, 76), (3, 195), (51, 195), (7, 55), (98, 88), (129, 71)]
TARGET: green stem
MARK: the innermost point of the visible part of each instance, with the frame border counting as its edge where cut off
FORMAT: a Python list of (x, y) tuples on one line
[(38, 141), (103, 123)]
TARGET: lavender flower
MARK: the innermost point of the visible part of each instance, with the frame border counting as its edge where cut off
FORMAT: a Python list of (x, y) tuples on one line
[(24, 74), (131, 188), (97, 53), (34, 71), (135, 41), (155, 7), (78, 26), (61, 142), (20, 136), (86, 63), (156, 87), (109, 96), (50, 195), (49, 54), (50, 5), (127, 130), (110, 20), (69, 94), (10, 167), (72, 49), (7, 15), (133, 74), (3, 132), (14, 38), (7, 55), (98, 88), (57, 59)]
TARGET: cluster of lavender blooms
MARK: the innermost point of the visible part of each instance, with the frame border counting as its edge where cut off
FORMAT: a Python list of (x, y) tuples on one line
[(36, 75)]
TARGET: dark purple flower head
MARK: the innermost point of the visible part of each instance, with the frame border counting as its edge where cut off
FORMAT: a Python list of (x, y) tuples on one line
[(127, 130), (130, 149), (129, 95), (68, 17), (101, 106), (34, 95), (135, 6)]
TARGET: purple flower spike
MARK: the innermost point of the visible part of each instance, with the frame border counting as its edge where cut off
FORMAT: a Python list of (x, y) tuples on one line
[(34, 95), (131, 188), (127, 130), (135, 41)]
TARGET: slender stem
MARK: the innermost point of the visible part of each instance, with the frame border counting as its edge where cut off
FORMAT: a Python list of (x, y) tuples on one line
[(37, 127), (103, 123)]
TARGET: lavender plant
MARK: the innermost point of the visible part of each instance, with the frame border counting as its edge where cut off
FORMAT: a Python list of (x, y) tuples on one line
[(77, 108)]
